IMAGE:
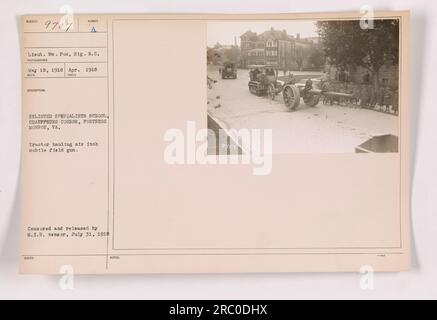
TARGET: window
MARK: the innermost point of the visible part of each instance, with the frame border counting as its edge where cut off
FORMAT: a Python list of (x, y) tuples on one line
[(271, 43)]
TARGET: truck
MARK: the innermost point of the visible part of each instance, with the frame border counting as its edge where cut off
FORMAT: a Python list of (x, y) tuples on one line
[(229, 71)]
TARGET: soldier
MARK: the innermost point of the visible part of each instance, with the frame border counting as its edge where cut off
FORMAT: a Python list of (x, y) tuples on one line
[(347, 76), (256, 72), (270, 72), (364, 96), (355, 94), (343, 89), (290, 79), (350, 90), (395, 102), (342, 76), (324, 79), (386, 98), (325, 76), (366, 78), (374, 96), (325, 87), (308, 85), (251, 77)]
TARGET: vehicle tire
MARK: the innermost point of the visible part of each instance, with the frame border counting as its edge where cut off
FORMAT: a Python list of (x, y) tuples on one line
[(312, 100), (271, 91), (291, 96), (259, 90)]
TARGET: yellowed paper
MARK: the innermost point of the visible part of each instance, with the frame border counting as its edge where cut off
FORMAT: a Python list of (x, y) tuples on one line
[(118, 176)]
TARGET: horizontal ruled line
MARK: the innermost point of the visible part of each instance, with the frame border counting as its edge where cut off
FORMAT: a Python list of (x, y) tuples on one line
[(66, 62), (65, 77), (91, 47)]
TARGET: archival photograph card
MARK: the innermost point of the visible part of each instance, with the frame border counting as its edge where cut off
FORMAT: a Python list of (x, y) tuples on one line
[(215, 143)]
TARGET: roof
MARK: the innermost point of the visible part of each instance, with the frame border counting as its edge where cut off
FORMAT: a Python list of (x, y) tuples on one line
[(278, 35), (274, 34), (249, 34)]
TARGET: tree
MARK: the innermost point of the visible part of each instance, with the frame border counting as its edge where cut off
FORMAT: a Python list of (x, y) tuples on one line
[(316, 56), (232, 54), (221, 54), (346, 44), (300, 52), (212, 56), (309, 55)]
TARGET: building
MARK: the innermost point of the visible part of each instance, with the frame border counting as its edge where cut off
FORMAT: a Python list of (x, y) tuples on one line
[(274, 47)]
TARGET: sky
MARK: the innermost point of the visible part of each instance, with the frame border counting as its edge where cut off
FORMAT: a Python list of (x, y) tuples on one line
[(225, 31)]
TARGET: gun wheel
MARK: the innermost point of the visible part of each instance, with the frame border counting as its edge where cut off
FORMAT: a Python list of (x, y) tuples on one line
[(291, 96), (311, 100)]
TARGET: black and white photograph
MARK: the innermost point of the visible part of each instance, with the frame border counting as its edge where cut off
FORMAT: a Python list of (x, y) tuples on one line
[(321, 86), (303, 168)]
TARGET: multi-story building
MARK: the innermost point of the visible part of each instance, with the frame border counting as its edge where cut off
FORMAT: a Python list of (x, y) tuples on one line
[(272, 47)]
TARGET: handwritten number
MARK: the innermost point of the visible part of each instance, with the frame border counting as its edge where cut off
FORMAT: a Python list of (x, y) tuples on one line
[(55, 25)]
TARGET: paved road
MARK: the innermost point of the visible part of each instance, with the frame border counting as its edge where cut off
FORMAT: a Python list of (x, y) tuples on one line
[(325, 128)]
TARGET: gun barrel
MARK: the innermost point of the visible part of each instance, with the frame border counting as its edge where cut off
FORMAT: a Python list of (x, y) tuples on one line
[(337, 94)]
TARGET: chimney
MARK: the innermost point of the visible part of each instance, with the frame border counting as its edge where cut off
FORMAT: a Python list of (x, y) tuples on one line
[(297, 36)]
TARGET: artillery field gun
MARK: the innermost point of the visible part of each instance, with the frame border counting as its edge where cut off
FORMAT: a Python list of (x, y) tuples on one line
[(264, 81)]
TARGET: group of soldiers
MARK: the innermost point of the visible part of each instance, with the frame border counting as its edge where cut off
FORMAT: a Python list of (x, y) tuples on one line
[(382, 98)]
